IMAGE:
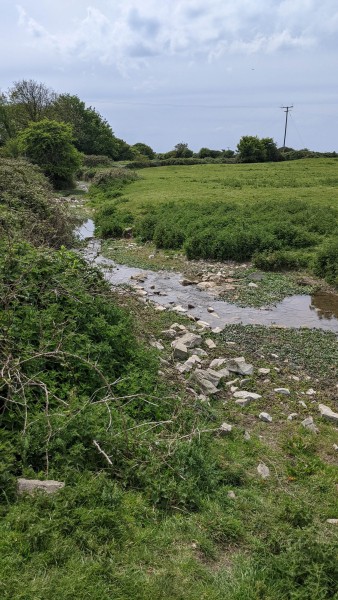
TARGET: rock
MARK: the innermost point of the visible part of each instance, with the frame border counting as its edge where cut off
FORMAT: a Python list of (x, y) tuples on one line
[(302, 403), (310, 392), (263, 371), (189, 364), (209, 374), (179, 309), (157, 345), (335, 447), (332, 521), (273, 355), (243, 394), (200, 352), (328, 414), (151, 256), (225, 429), (160, 308), (217, 330), (309, 424), (29, 486), (292, 416), (180, 351), (207, 387), (284, 391), (203, 324), (263, 471), (190, 340), (210, 343), (252, 285), (232, 495), (295, 377), (238, 365), (217, 362), (191, 306), (264, 416), (169, 333), (186, 282), (178, 327), (206, 285), (247, 436), (210, 309), (233, 389), (141, 277)]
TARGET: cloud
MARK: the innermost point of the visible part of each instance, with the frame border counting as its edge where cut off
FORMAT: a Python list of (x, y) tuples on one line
[(128, 34)]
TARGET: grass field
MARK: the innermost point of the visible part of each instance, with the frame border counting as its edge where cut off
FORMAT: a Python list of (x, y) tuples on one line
[(282, 215)]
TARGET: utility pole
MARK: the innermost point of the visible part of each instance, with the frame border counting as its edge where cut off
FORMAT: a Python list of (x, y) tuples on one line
[(287, 108)]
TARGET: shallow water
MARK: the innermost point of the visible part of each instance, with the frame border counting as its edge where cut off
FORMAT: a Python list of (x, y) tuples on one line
[(317, 311)]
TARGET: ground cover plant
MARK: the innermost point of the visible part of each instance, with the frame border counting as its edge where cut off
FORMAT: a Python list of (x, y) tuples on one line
[(282, 216), (157, 504)]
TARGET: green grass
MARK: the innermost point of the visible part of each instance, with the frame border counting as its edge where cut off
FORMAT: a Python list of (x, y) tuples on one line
[(155, 522), (281, 215)]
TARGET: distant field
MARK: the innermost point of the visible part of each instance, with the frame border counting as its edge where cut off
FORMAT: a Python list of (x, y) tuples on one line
[(282, 215)]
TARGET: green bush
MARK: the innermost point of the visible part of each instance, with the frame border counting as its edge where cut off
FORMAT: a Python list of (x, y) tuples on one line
[(326, 261), (280, 260)]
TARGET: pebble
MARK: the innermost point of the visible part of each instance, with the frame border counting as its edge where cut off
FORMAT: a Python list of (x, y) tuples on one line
[(247, 436), (302, 403), (232, 495), (264, 416), (225, 429), (309, 424), (292, 416), (263, 471), (285, 391), (310, 392), (210, 343), (263, 371)]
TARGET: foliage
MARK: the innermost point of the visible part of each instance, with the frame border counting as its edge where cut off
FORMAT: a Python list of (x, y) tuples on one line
[(96, 160), (28, 209), (182, 150), (251, 149), (30, 101), (326, 261), (144, 149), (49, 144)]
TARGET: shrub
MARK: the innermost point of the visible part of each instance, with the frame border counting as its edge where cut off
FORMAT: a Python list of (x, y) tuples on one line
[(280, 260), (326, 261)]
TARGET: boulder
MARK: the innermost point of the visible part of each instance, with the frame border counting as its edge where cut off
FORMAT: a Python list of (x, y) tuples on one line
[(210, 344), (190, 340), (243, 394), (217, 362), (29, 486)]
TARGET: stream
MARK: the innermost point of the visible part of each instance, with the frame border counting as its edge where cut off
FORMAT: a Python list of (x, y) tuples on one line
[(164, 288)]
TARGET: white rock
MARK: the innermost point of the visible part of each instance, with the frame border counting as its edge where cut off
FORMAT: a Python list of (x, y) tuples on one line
[(332, 521), (247, 436), (210, 309), (210, 344), (263, 470), (302, 403), (281, 390), (327, 413), (217, 330), (295, 378), (264, 416), (160, 308), (231, 495), (225, 429), (243, 394), (335, 447), (292, 416), (309, 424), (310, 392), (29, 486), (252, 285), (263, 371), (217, 362), (179, 309), (203, 324), (157, 345), (200, 352), (233, 389)]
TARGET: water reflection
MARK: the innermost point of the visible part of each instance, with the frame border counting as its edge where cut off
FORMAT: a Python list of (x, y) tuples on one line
[(325, 304)]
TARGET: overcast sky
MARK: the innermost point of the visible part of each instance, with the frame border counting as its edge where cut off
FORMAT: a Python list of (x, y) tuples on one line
[(204, 72)]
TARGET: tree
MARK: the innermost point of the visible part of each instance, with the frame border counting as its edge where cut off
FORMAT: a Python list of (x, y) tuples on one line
[(144, 150), (251, 149), (49, 144), (208, 153), (271, 150), (31, 99), (92, 133), (182, 151)]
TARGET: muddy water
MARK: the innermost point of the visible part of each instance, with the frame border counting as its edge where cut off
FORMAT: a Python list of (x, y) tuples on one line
[(163, 287)]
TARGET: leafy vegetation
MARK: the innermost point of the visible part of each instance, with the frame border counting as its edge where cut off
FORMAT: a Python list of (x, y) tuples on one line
[(280, 216), (145, 512)]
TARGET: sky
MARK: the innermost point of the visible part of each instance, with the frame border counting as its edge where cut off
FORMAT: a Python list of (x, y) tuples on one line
[(202, 72)]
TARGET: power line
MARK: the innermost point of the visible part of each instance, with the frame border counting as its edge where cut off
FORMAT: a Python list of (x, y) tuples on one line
[(287, 108)]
